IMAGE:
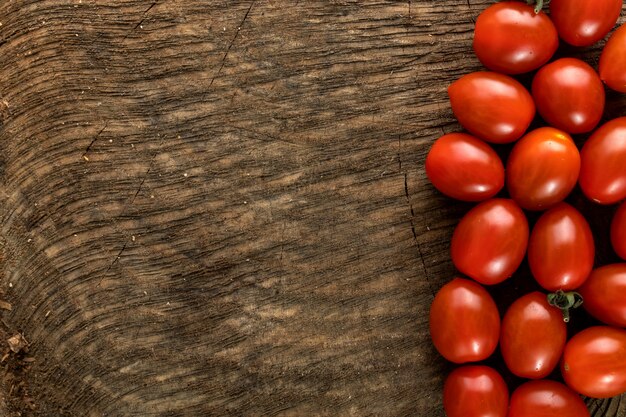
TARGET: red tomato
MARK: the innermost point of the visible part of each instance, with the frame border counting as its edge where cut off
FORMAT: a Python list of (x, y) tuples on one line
[(545, 398), (475, 391), (492, 106), (613, 61), (602, 169), (464, 322), (584, 22), (594, 362), (489, 243), (618, 231), (542, 168), (510, 38), (532, 336), (561, 249), (604, 293), (569, 95), (464, 167)]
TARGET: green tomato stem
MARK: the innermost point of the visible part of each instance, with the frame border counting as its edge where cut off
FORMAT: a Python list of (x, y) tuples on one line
[(538, 6), (565, 301)]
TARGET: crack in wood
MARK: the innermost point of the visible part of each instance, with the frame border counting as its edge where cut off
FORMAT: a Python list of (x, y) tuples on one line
[(94, 141), (143, 17)]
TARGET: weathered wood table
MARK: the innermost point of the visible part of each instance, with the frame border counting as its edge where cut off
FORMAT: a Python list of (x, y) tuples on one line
[(219, 208)]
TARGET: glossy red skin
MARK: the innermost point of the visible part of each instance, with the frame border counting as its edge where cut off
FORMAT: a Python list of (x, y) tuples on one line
[(464, 167), (584, 22), (561, 249), (510, 38), (618, 231), (569, 95), (545, 398), (532, 336), (604, 294), (490, 241), (542, 168), (494, 107), (602, 169), (464, 322), (475, 391), (613, 61), (594, 362)]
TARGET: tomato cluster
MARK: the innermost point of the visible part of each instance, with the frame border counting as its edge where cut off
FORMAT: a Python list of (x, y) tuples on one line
[(542, 169)]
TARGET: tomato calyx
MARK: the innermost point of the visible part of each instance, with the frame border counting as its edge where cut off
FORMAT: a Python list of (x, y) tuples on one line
[(565, 301), (538, 6)]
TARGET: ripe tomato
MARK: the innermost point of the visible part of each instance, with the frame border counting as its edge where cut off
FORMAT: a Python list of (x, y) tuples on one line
[(492, 106), (464, 167), (618, 231), (475, 391), (490, 241), (510, 38), (561, 249), (584, 22), (602, 169), (569, 95), (613, 61), (464, 322), (542, 168), (604, 294), (594, 362), (545, 398), (532, 336)]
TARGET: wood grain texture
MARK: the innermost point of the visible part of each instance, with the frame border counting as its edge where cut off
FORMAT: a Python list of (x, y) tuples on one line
[(219, 208)]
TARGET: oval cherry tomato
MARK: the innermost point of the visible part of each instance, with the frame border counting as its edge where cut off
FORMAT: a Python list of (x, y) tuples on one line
[(604, 293), (584, 22), (618, 231), (542, 168), (490, 241), (464, 322), (569, 95), (613, 61), (532, 336), (545, 398), (475, 391), (492, 106), (594, 362), (561, 249), (464, 167), (510, 38), (602, 169)]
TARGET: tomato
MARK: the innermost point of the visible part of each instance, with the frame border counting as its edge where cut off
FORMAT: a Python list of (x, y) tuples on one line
[(618, 231), (584, 22), (510, 38), (475, 391), (464, 322), (464, 167), (542, 168), (489, 243), (602, 169), (613, 61), (492, 106), (604, 294), (594, 362), (545, 398), (569, 95), (561, 249)]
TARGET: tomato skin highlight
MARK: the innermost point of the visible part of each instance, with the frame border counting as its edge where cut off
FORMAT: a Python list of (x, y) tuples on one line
[(584, 22), (464, 322), (542, 169), (612, 66), (594, 362), (545, 398), (561, 249), (490, 241), (618, 231), (604, 294), (494, 107), (569, 95), (511, 39), (602, 170), (475, 391), (464, 167)]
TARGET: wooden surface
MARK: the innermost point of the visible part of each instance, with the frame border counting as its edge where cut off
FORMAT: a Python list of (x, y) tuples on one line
[(219, 208)]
